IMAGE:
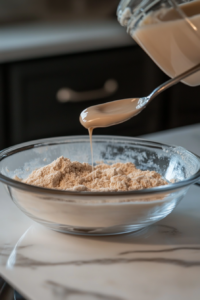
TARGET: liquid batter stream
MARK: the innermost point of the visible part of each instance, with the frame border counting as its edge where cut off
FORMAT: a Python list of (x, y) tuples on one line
[(108, 114)]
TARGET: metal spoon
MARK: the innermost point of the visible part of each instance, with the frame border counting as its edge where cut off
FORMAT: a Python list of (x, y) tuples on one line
[(115, 112)]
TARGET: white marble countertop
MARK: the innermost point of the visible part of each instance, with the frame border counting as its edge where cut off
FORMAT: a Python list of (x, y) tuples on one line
[(160, 262), (43, 39)]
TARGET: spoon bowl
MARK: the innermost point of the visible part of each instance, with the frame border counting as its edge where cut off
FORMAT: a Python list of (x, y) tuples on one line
[(119, 111), (112, 113)]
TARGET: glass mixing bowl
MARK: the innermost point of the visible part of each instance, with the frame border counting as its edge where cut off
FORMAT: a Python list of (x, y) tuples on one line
[(98, 213)]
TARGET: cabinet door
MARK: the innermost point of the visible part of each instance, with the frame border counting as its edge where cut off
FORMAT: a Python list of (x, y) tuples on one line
[(3, 111), (36, 113), (184, 105)]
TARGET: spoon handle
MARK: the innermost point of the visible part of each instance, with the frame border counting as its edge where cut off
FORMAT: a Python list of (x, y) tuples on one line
[(172, 82)]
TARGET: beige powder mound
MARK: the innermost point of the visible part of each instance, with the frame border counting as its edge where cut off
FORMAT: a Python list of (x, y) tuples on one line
[(66, 175)]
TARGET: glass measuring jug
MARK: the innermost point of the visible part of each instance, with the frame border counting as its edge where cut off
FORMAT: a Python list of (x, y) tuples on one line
[(168, 31)]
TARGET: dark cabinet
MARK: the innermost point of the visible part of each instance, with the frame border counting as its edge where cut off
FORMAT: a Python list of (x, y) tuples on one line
[(35, 111), (31, 94), (184, 105), (3, 115)]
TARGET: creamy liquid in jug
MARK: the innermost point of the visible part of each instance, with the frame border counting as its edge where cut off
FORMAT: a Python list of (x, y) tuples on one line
[(171, 41)]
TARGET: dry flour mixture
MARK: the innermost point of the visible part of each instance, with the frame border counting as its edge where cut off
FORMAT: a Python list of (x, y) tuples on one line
[(67, 175)]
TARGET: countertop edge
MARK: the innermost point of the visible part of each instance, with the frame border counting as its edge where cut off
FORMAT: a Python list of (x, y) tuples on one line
[(43, 40)]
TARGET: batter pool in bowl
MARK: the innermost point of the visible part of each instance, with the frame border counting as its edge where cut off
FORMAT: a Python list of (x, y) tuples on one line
[(98, 213)]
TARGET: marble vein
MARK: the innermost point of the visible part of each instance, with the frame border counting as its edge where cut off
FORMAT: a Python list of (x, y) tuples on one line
[(160, 250), (169, 229), (22, 261), (6, 251), (10, 248), (64, 292)]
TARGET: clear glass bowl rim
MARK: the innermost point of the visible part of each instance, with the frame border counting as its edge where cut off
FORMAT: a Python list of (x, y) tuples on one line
[(61, 140)]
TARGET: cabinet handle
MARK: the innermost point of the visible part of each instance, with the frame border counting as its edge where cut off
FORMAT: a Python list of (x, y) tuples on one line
[(68, 95)]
